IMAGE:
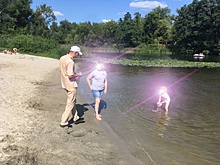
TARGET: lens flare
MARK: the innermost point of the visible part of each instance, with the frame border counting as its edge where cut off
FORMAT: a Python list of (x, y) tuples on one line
[(161, 91), (176, 82), (99, 66)]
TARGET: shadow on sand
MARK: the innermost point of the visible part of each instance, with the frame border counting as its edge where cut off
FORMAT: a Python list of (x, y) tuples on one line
[(81, 109), (102, 105)]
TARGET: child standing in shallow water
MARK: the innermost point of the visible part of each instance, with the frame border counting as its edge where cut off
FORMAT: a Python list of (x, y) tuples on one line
[(164, 98), (98, 86)]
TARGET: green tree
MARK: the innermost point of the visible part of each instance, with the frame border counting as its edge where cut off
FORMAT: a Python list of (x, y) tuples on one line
[(64, 31), (153, 26), (82, 33), (126, 27), (119, 35), (40, 21), (163, 32), (110, 29), (150, 26), (55, 32), (96, 35), (14, 16), (196, 27)]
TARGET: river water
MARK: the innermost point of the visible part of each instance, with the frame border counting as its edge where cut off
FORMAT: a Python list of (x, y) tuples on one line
[(188, 135)]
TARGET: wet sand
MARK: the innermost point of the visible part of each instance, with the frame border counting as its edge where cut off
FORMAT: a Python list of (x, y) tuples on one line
[(31, 104)]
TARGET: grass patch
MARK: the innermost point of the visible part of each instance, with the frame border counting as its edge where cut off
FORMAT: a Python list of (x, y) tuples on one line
[(162, 63)]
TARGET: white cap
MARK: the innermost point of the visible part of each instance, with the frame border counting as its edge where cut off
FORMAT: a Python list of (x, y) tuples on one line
[(75, 49)]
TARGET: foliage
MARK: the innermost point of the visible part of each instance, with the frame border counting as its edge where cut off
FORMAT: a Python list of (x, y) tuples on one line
[(194, 29), (4, 40), (54, 53), (14, 16), (150, 50), (157, 25), (40, 20), (197, 27), (61, 50), (163, 63), (31, 44)]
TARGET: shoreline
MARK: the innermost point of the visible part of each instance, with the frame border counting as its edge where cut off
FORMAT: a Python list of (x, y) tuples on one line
[(32, 105)]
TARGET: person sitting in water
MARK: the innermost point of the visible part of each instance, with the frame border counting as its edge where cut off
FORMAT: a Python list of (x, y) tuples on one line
[(164, 98)]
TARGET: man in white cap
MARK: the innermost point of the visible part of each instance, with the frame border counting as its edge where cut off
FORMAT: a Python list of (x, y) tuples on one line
[(68, 82)]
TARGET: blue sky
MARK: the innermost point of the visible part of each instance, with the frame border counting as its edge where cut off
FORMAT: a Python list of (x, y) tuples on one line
[(103, 10)]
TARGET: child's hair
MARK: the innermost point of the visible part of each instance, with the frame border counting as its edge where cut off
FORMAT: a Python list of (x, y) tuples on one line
[(163, 88)]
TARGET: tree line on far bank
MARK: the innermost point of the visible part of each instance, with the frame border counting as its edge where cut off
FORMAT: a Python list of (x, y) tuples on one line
[(194, 29)]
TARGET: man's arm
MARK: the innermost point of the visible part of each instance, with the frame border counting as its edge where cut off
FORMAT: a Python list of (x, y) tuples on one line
[(75, 75)]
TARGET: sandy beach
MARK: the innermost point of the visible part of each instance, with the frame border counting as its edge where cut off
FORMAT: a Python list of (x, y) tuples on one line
[(31, 104)]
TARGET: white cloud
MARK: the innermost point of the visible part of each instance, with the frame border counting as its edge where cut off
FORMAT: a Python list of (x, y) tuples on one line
[(147, 4), (57, 13), (106, 20)]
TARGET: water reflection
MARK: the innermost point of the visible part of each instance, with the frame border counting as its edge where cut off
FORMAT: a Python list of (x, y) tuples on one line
[(162, 122), (198, 58)]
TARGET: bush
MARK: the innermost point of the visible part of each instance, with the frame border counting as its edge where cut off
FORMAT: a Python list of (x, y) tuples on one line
[(150, 49), (4, 40), (58, 52), (31, 44), (206, 52)]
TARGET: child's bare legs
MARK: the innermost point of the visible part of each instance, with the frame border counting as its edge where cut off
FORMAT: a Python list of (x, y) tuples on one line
[(159, 104), (97, 102), (166, 107)]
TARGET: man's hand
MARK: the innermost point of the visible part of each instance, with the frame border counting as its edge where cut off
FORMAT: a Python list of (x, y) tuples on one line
[(79, 74)]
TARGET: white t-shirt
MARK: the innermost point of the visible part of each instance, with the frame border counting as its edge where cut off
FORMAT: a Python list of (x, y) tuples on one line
[(98, 79), (165, 96)]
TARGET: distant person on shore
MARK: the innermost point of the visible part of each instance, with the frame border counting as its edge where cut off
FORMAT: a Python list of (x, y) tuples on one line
[(5, 51), (98, 86), (68, 82), (9, 52), (164, 99), (201, 54), (15, 50)]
